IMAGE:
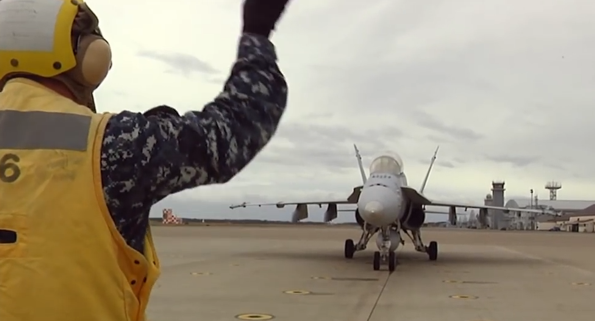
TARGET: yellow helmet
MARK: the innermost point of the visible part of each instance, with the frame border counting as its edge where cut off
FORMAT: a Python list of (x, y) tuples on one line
[(35, 36), (53, 38)]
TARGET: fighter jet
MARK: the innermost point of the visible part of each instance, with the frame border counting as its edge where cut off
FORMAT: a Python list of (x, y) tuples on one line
[(386, 206)]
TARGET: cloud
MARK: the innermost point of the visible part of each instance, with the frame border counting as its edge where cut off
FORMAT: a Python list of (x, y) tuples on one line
[(180, 62), (503, 88), (446, 164), (440, 127), (520, 161)]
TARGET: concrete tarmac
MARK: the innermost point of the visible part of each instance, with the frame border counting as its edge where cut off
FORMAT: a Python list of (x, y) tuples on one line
[(297, 273)]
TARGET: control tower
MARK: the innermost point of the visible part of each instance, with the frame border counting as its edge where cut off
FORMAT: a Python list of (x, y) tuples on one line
[(497, 216), (488, 200), (482, 217), (553, 187)]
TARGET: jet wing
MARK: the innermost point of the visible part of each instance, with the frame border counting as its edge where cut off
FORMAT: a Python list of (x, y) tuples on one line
[(417, 197), (488, 207), (283, 204), (301, 207)]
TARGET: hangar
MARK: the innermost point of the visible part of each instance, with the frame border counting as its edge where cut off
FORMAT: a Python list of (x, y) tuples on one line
[(580, 221), (574, 215), (563, 206)]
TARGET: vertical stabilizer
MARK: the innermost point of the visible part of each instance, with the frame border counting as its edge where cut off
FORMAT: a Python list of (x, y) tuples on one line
[(423, 185), (360, 164)]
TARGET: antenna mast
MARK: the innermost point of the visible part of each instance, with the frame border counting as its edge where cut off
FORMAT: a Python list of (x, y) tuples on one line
[(553, 187)]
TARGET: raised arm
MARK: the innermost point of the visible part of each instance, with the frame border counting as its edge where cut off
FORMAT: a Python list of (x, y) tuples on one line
[(146, 157)]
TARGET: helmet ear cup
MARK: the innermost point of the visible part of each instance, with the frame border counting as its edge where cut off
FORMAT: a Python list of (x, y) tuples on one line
[(94, 59)]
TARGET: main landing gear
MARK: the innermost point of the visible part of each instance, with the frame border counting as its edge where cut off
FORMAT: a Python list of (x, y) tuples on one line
[(389, 257), (386, 253), (351, 247), (432, 251)]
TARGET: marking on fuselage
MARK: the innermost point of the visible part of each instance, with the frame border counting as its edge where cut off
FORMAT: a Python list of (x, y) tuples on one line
[(298, 292), (354, 279), (468, 282), (330, 278), (201, 273), (463, 297), (459, 272), (255, 316)]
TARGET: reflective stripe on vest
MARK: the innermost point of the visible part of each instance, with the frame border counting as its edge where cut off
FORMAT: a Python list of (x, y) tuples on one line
[(43, 130)]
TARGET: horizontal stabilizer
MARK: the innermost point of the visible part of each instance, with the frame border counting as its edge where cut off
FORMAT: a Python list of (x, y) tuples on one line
[(415, 196)]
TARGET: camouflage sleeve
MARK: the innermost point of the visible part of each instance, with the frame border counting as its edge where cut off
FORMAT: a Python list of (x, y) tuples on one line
[(146, 157)]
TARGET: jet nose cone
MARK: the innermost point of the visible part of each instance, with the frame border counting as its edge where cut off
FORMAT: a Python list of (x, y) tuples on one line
[(373, 208)]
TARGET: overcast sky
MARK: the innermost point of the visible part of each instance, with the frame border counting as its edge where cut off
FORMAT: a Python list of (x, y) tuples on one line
[(504, 87)]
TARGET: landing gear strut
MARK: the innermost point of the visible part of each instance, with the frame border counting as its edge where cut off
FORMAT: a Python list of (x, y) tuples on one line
[(431, 249), (386, 254), (352, 247)]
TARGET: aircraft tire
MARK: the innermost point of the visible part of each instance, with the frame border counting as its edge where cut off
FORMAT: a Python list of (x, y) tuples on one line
[(376, 261), (392, 261), (433, 251), (349, 248)]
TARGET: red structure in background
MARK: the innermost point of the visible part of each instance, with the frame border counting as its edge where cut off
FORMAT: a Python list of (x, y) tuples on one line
[(169, 218)]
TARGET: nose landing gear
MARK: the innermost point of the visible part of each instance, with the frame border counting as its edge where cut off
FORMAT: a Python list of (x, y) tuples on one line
[(386, 253), (389, 258)]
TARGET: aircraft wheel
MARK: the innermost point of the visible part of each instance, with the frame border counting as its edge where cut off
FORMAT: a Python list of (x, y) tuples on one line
[(433, 251), (349, 248), (376, 262), (392, 261)]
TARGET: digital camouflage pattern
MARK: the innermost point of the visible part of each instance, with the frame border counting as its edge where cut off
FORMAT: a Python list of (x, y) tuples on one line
[(145, 158)]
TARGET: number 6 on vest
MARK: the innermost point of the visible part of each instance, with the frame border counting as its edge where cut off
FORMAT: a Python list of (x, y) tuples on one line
[(9, 169)]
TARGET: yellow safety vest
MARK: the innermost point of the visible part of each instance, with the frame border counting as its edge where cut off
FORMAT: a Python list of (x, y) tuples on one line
[(61, 257)]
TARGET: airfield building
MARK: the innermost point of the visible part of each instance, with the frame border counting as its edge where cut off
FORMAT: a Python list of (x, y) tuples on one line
[(563, 206), (497, 218), (579, 221), (574, 215)]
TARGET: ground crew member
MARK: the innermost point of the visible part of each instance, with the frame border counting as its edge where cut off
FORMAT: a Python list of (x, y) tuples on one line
[(76, 187)]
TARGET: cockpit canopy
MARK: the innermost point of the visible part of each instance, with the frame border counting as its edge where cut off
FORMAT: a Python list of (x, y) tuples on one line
[(391, 164)]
